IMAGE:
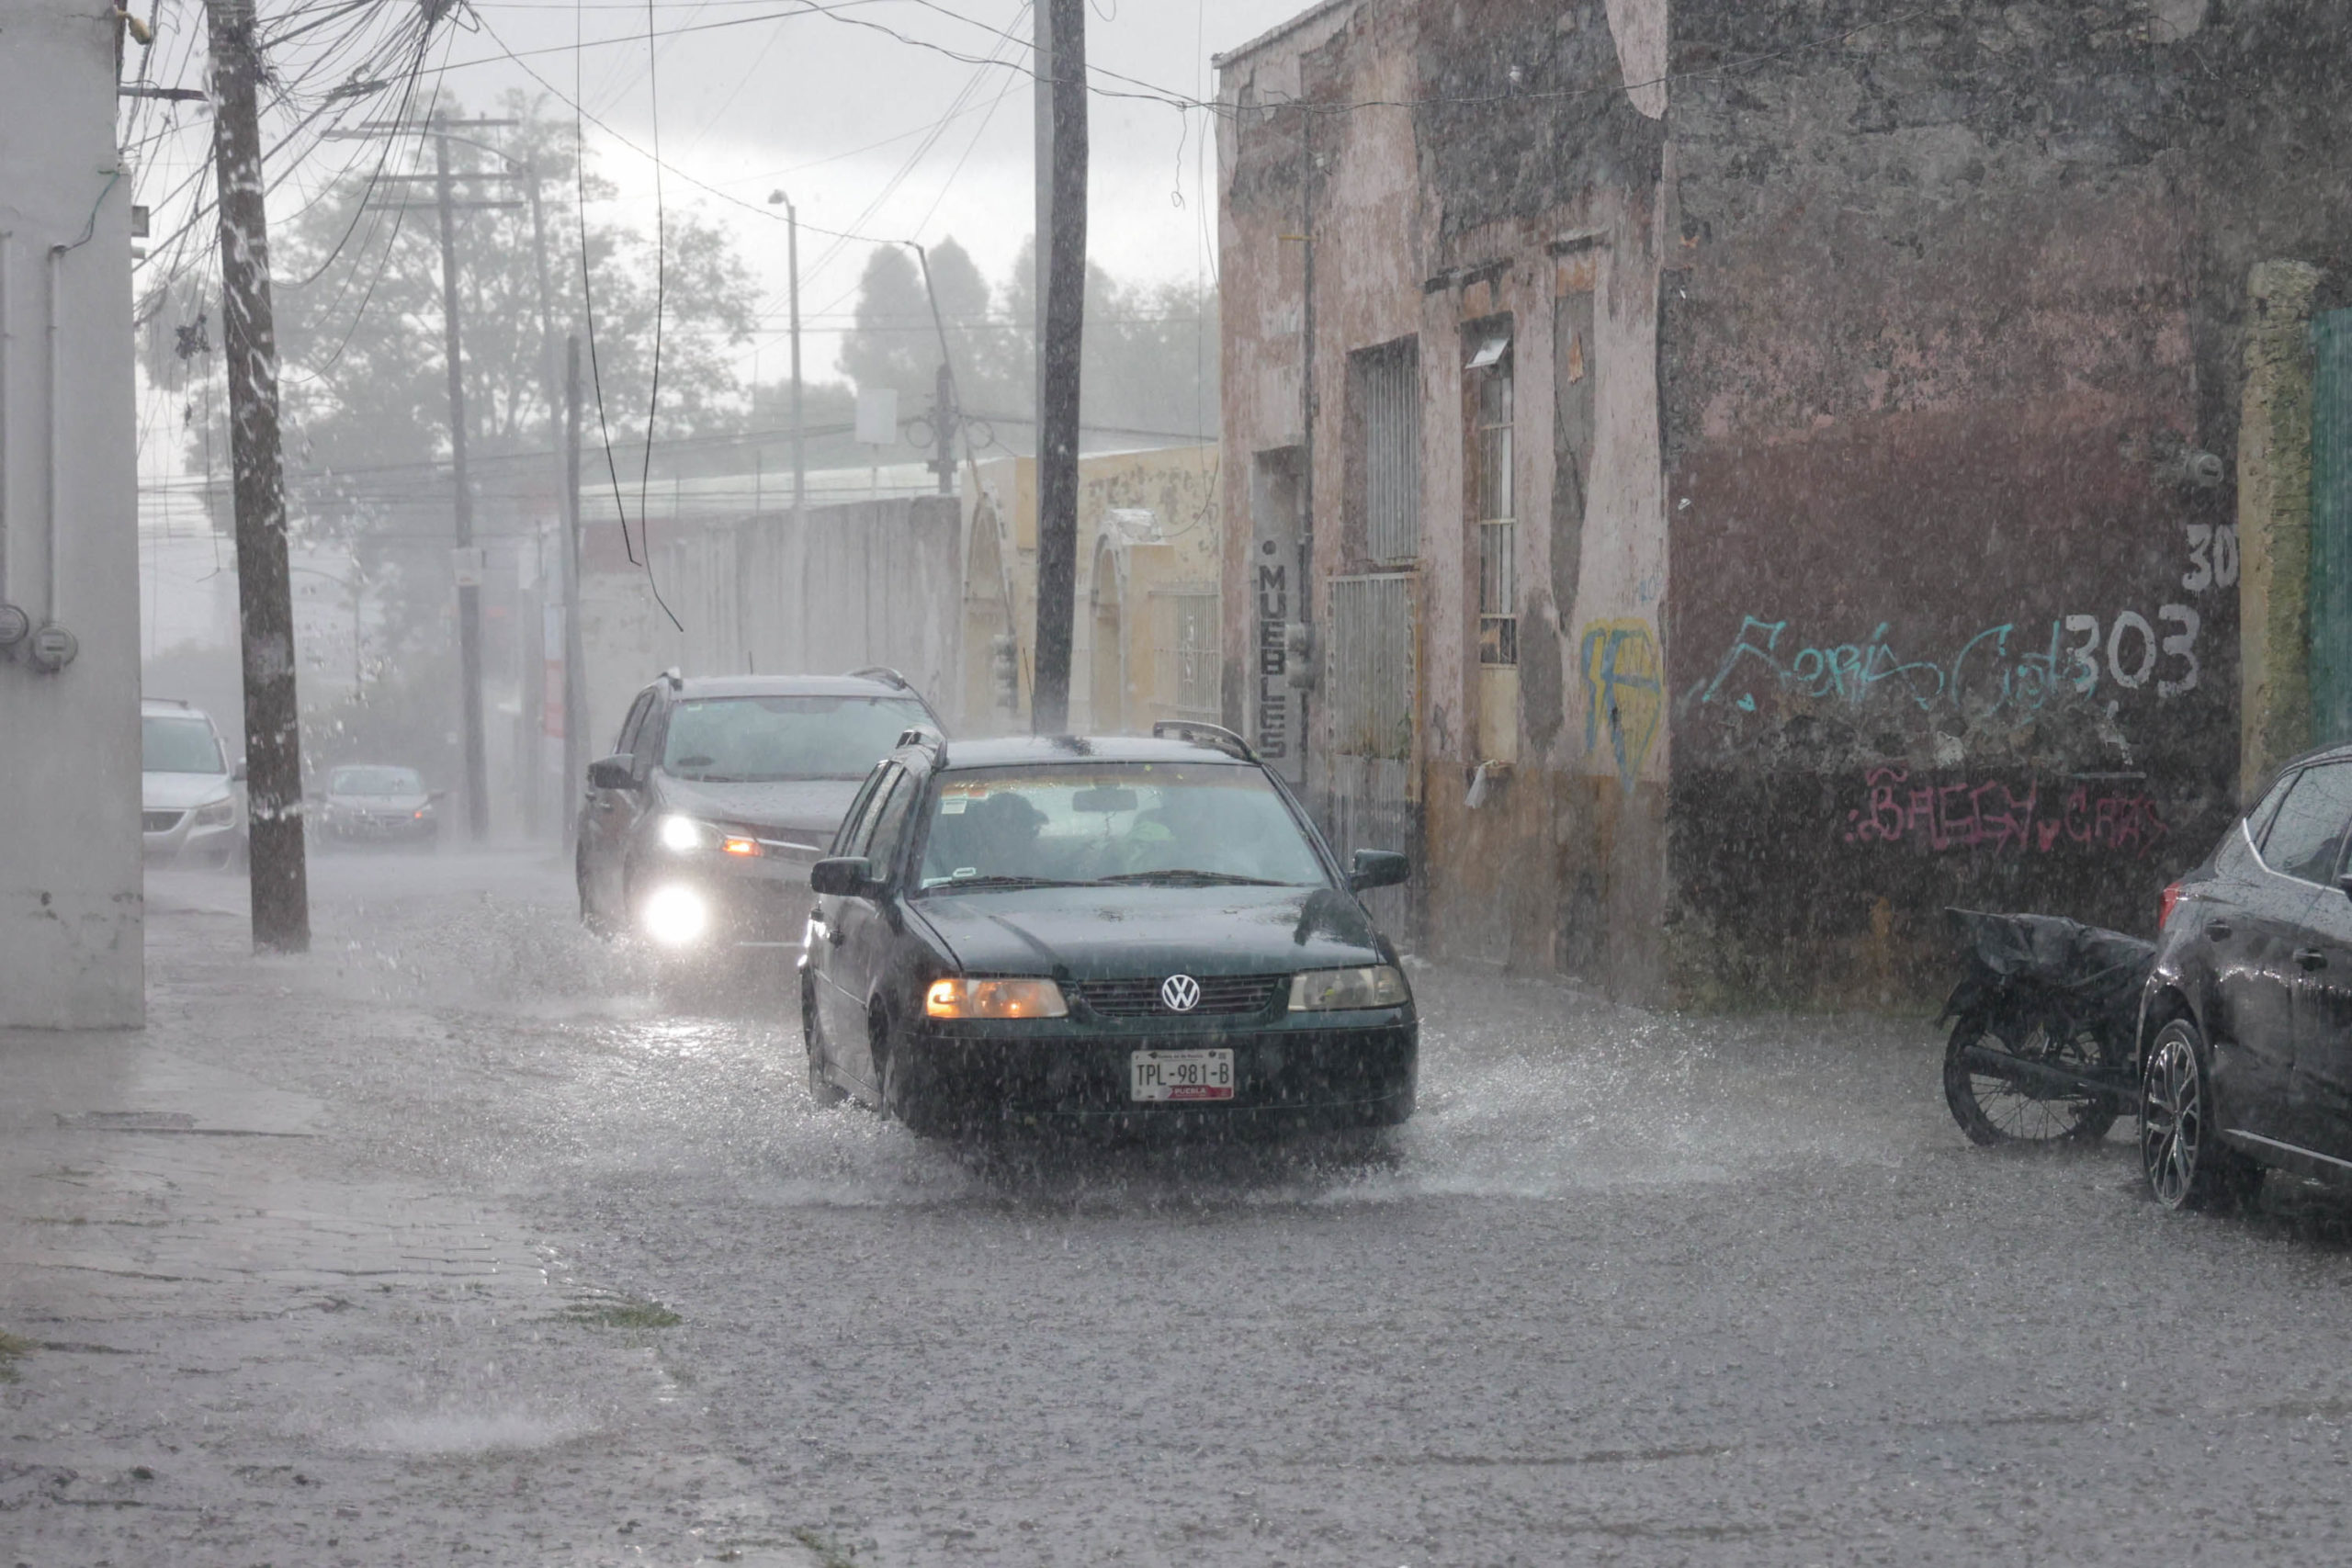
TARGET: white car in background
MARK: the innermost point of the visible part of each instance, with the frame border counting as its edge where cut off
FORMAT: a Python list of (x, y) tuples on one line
[(191, 808)]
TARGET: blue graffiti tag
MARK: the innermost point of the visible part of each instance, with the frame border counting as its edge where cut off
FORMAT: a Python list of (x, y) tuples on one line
[(1989, 675)]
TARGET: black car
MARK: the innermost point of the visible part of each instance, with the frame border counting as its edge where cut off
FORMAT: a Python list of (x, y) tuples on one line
[(699, 830), (2245, 1027), (1122, 932), (370, 803)]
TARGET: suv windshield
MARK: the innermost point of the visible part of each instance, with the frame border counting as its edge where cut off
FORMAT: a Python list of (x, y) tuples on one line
[(756, 739), (1174, 824), (375, 781), (178, 746)]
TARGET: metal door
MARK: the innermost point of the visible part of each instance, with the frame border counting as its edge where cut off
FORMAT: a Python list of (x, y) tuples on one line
[(2330, 567), (1372, 687)]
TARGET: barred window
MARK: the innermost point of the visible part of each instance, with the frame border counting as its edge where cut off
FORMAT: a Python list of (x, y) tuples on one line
[(1494, 502)]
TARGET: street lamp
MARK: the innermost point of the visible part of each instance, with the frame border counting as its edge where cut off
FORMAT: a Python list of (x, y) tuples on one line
[(792, 262)]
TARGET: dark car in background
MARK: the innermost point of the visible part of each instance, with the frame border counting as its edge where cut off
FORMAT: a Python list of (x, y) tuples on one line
[(698, 831), (1123, 933), (2246, 1028), (378, 803)]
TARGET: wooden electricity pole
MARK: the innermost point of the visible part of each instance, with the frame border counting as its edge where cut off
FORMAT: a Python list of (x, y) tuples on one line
[(279, 875), (468, 559), (1062, 336)]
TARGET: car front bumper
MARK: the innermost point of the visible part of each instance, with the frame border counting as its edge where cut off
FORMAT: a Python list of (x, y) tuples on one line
[(1313, 1072), (179, 838), (371, 827)]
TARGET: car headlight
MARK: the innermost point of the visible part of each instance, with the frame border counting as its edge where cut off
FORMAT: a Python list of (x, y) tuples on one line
[(217, 814), (1342, 990), (994, 998), (683, 834), (675, 916)]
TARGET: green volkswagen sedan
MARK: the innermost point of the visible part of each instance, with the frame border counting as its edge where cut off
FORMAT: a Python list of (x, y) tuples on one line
[(1122, 933)]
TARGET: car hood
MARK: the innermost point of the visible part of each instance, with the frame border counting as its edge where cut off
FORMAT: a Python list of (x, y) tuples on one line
[(178, 792), (411, 804), (811, 807), (1089, 934)]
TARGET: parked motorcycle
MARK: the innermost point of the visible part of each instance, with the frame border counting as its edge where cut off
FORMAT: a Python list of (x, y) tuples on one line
[(2045, 1047)]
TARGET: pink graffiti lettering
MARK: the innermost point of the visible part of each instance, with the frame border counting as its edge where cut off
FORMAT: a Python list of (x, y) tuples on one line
[(1993, 815)]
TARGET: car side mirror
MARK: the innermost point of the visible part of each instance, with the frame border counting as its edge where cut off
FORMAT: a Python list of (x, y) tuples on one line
[(843, 876), (239, 776), (1377, 868), (613, 772), (2345, 883), (437, 795)]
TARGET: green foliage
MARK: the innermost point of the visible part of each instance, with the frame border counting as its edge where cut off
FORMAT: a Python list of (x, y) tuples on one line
[(1148, 375)]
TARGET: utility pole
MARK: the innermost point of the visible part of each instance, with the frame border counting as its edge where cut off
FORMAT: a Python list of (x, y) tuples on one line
[(534, 681), (278, 872), (465, 560), (468, 565), (1061, 340), (943, 418), (575, 657), (798, 554)]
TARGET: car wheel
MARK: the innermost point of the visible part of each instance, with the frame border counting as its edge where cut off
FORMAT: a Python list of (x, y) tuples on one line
[(899, 1098), (589, 916), (821, 1087), (2186, 1164), (1995, 1110)]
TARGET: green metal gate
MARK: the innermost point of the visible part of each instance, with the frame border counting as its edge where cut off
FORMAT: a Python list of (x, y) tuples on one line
[(2330, 567)]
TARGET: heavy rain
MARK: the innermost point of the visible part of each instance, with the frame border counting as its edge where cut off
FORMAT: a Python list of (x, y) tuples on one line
[(874, 782)]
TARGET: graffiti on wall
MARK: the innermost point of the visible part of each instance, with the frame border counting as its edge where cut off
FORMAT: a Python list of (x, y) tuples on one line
[(2114, 816), (1624, 686), (2007, 668)]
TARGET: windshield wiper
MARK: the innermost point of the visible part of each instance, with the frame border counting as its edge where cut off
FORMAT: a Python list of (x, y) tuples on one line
[(996, 884), (1185, 877)]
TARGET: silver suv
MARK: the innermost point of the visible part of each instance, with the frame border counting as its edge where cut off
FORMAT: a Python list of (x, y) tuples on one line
[(191, 808)]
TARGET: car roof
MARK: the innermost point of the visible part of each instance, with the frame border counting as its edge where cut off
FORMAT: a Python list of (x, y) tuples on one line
[(788, 686), (1032, 751), (172, 708)]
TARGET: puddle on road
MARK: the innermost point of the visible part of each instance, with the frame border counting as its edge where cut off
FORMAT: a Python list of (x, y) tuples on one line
[(1529, 1089), (468, 1432)]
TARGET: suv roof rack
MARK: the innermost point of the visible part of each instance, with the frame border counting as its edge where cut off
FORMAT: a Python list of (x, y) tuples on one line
[(884, 674), (1201, 733)]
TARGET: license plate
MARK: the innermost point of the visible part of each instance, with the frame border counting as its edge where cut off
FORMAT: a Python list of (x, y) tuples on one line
[(1180, 1074)]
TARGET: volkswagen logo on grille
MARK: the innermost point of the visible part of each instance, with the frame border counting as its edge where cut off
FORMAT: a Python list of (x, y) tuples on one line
[(1180, 993)]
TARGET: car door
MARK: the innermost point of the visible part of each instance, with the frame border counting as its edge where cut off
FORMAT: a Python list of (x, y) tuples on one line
[(2320, 1093), (604, 825), (2262, 946), (840, 1009), (867, 926)]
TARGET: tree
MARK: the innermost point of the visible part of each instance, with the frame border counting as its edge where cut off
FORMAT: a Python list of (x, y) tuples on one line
[(1150, 367)]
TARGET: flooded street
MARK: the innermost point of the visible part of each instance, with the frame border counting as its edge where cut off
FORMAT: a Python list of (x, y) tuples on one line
[(513, 1250)]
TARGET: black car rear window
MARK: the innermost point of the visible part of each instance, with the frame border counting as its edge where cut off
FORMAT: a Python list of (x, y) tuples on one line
[(2307, 835)]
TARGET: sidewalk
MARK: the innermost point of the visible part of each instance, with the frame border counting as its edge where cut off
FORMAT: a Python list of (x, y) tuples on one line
[(235, 1335)]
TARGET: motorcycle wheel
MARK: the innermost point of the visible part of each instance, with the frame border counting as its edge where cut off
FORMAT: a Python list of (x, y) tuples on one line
[(1992, 1110)]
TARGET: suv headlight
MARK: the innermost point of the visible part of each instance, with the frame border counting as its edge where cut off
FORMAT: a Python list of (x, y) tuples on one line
[(959, 997), (684, 834), (1343, 990), (217, 814)]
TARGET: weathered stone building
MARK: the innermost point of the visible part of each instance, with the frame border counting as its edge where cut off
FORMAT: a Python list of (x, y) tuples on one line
[(1753, 472)]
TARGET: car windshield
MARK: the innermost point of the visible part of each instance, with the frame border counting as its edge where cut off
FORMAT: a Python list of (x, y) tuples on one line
[(1172, 824), (375, 781), (178, 746), (753, 739)]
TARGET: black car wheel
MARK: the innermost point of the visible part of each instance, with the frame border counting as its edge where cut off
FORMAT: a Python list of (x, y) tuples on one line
[(821, 1087), (2186, 1164), (589, 916), (913, 1111), (1992, 1109)]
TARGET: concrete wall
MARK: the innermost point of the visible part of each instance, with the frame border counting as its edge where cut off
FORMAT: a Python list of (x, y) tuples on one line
[(1956, 307), (71, 933), (1149, 532), (873, 583)]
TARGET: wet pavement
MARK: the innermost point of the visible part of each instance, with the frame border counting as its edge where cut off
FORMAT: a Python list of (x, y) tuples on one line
[(468, 1237)]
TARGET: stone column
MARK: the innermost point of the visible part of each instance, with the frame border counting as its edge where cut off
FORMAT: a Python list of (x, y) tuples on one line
[(2274, 521)]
